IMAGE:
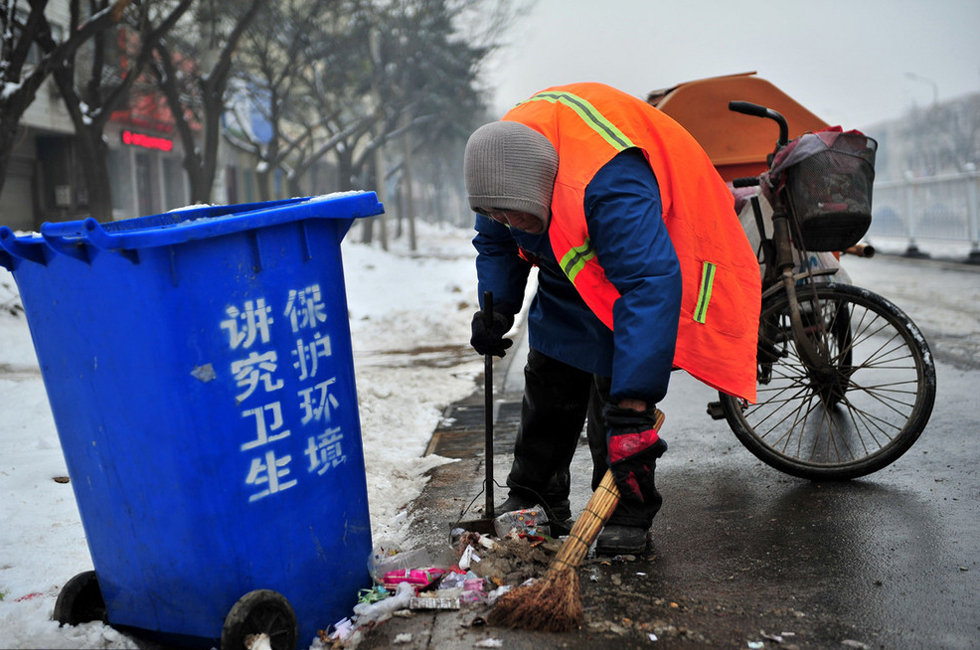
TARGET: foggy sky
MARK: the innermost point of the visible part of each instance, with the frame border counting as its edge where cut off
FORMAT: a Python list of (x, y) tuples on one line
[(847, 61)]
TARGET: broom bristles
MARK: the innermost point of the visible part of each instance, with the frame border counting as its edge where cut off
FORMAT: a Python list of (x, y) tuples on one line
[(551, 604), (554, 604)]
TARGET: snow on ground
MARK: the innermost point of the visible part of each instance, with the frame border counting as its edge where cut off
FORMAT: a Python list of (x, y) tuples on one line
[(404, 307), (400, 304)]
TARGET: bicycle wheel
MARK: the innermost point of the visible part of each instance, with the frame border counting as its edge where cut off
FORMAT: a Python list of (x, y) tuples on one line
[(853, 419)]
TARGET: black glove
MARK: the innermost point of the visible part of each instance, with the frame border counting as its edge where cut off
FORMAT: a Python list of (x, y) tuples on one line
[(490, 340), (634, 445)]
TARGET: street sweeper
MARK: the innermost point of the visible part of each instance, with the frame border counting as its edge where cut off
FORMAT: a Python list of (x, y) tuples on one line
[(642, 267)]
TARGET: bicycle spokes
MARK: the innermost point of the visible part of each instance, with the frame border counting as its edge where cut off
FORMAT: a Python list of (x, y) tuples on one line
[(854, 411)]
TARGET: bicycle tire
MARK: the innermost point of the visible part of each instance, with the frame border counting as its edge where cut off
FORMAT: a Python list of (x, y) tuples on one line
[(850, 422)]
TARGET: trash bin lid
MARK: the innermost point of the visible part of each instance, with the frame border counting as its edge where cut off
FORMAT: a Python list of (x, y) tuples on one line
[(183, 225)]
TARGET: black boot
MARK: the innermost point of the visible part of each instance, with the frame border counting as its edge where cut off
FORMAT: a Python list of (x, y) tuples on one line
[(621, 540)]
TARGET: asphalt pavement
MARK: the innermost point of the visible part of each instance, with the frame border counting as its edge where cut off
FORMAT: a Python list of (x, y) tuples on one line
[(741, 556)]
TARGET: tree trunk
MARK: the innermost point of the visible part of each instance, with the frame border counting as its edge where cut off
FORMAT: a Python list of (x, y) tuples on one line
[(345, 169), (379, 181), (208, 157), (294, 185), (263, 179), (8, 137), (94, 154), (409, 197), (12, 109), (200, 180)]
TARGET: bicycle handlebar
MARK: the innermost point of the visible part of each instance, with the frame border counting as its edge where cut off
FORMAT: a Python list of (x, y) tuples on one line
[(748, 108)]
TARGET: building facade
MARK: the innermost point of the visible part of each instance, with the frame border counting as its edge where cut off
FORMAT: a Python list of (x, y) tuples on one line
[(44, 179)]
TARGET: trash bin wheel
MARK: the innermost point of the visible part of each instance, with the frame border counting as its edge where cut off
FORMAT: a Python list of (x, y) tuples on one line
[(262, 610), (80, 601)]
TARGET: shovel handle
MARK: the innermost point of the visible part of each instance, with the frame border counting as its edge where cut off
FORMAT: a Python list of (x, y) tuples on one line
[(488, 407), (488, 309)]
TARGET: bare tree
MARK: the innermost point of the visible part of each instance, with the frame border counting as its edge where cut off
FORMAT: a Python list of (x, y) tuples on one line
[(91, 98), (20, 79), (269, 89), (377, 85), (926, 141), (332, 77), (414, 88), (943, 137), (430, 75), (193, 66)]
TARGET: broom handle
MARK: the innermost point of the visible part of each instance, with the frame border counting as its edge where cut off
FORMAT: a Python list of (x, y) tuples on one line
[(588, 525)]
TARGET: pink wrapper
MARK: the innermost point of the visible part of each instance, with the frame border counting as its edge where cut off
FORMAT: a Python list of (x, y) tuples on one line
[(420, 578)]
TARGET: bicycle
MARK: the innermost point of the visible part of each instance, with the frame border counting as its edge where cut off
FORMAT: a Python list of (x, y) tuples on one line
[(846, 381)]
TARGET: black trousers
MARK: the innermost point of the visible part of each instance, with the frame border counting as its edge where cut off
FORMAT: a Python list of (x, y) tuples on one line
[(558, 400)]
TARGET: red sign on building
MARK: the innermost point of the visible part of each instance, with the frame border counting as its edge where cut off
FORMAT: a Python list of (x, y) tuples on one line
[(147, 141)]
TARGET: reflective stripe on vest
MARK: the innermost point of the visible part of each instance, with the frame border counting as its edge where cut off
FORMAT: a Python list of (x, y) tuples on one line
[(704, 295), (592, 117), (575, 259)]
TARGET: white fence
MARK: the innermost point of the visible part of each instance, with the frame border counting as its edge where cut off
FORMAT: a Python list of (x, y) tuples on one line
[(937, 208)]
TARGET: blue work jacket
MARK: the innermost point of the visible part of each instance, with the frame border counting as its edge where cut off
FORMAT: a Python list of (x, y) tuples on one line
[(623, 212)]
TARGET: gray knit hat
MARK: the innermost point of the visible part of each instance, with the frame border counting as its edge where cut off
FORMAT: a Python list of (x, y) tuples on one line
[(510, 166)]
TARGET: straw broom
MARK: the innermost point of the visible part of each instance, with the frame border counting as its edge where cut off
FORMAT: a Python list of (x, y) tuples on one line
[(553, 603)]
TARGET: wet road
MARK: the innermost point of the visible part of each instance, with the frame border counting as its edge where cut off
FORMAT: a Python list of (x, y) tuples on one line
[(742, 555), (889, 560)]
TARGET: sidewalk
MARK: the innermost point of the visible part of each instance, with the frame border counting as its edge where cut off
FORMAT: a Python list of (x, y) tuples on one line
[(454, 493)]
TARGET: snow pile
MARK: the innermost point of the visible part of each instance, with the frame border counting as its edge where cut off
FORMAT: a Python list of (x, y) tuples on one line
[(410, 326), (410, 315)]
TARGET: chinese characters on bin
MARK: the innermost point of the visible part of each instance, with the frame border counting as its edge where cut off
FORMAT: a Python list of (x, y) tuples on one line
[(266, 402)]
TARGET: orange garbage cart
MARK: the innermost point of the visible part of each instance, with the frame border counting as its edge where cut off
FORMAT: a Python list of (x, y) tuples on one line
[(737, 144)]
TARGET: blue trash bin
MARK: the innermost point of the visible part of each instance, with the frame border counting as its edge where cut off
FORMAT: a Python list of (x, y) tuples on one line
[(198, 364)]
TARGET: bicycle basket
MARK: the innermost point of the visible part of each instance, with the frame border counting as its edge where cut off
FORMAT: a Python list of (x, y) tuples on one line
[(830, 192)]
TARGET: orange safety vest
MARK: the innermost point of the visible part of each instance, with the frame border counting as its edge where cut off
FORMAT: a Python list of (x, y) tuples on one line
[(588, 124)]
